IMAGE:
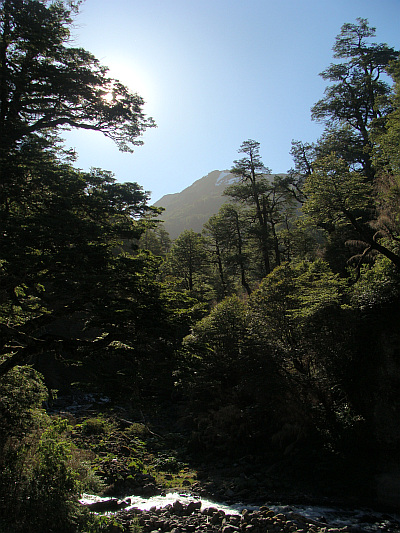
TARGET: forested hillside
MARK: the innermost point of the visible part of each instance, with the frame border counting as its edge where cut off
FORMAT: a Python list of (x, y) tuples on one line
[(269, 341), (192, 208)]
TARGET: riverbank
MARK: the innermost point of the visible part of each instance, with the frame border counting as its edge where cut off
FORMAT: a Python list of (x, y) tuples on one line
[(143, 455), (180, 513), (180, 518)]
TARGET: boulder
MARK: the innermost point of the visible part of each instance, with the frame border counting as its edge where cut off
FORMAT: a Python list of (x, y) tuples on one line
[(105, 506)]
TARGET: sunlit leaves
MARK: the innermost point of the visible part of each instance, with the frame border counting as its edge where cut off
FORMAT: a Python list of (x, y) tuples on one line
[(334, 194), (357, 88), (48, 84), (291, 296)]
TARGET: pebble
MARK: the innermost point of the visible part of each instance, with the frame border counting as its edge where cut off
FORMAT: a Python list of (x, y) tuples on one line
[(180, 518)]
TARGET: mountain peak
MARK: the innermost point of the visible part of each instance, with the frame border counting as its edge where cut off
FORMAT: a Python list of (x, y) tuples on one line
[(192, 207)]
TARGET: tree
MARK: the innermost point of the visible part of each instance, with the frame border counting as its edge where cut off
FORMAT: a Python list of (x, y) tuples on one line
[(334, 194), (156, 239), (48, 85), (215, 239), (64, 232), (357, 94), (251, 171), (219, 339), (337, 197), (297, 314), (230, 229), (270, 201), (187, 257), (303, 156), (341, 182), (62, 253), (386, 136)]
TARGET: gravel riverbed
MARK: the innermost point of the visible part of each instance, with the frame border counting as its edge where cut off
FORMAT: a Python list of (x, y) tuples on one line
[(186, 515)]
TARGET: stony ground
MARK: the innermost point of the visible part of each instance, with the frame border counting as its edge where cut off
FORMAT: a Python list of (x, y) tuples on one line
[(179, 518), (143, 459)]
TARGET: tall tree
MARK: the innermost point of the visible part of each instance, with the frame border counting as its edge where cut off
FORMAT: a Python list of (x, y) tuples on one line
[(251, 172), (386, 136), (341, 183), (216, 242), (297, 309), (61, 252), (303, 156), (233, 227), (357, 94), (156, 239), (271, 199), (63, 230), (47, 84)]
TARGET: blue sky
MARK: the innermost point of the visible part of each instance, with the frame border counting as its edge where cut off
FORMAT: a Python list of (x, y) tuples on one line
[(215, 73)]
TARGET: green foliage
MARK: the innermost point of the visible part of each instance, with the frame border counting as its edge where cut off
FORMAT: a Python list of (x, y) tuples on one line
[(378, 285), (86, 275), (223, 330), (40, 477), (253, 184), (22, 393), (335, 195), (298, 310), (135, 527), (40, 67), (270, 211), (343, 188), (386, 137), (52, 479), (187, 258), (359, 74), (317, 289), (168, 463), (92, 523), (156, 240), (387, 133), (212, 355), (96, 426), (65, 231), (229, 243)]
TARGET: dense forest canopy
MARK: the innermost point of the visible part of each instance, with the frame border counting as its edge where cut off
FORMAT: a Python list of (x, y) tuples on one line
[(276, 328)]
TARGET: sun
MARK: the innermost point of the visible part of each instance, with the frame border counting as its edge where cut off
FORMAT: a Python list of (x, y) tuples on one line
[(108, 97), (134, 76)]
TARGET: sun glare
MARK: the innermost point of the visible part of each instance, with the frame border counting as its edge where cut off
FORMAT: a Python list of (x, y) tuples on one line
[(134, 76), (108, 97)]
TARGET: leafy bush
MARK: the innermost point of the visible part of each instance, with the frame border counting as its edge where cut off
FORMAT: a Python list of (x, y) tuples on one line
[(41, 472), (97, 426)]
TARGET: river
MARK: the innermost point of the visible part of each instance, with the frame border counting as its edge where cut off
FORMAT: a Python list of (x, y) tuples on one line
[(362, 519)]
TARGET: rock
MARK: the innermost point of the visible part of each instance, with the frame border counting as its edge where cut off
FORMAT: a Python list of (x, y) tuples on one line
[(209, 511), (149, 490), (177, 507), (110, 505), (192, 507), (217, 517), (234, 519), (230, 529)]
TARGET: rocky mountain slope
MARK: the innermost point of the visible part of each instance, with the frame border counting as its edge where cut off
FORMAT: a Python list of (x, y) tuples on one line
[(192, 207)]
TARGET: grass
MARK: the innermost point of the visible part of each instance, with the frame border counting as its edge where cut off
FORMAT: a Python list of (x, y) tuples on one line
[(185, 478), (118, 455)]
